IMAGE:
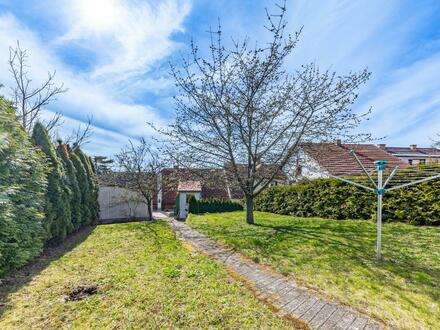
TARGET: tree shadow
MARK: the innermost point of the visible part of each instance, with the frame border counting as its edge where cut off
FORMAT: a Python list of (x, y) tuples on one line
[(359, 246), (21, 277), (355, 245)]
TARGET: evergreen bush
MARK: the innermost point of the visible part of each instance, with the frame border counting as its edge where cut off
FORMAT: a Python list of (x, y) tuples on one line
[(23, 186), (72, 181), (332, 199), (212, 205), (84, 187), (58, 213), (93, 186)]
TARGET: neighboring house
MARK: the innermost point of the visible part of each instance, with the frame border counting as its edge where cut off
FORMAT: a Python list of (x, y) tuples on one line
[(414, 155), (213, 183), (321, 160)]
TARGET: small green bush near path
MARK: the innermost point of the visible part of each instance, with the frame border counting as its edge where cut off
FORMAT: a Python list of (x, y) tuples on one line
[(134, 276), (333, 199), (212, 205), (338, 259)]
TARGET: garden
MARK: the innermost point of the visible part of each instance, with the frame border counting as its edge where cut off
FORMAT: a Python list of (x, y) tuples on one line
[(136, 276), (337, 259)]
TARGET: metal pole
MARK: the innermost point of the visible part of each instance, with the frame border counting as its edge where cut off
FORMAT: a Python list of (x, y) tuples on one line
[(379, 219), (380, 166)]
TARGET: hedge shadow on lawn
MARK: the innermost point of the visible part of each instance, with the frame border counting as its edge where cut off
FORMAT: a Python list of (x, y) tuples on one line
[(359, 246), (21, 277)]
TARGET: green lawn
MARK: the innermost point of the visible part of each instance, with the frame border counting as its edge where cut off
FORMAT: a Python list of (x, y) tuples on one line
[(338, 258), (144, 279)]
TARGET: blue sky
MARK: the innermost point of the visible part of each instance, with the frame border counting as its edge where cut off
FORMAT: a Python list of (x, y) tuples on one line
[(113, 56)]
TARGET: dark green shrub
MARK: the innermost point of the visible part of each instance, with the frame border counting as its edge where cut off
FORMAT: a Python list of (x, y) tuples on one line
[(84, 187), (58, 213), (72, 181), (332, 199), (23, 184), (212, 205), (93, 188)]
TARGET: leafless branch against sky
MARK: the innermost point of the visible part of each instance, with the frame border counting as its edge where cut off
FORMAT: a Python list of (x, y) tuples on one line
[(30, 100), (239, 107)]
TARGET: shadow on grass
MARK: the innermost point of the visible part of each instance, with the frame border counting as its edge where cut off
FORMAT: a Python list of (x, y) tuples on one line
[(359, 246), (15, 281), (340, 247)]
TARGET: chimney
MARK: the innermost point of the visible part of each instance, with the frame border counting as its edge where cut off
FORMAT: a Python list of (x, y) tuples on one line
[(338, 142), (381, 146), (413, 146)]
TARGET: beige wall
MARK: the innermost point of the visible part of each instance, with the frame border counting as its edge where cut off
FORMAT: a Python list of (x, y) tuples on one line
[(120, 203)]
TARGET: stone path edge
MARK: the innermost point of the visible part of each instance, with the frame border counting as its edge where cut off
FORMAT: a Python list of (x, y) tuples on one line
[(290, 299)]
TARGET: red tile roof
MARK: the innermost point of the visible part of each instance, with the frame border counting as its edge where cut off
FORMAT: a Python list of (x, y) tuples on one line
[(337, 159), (194, 186)]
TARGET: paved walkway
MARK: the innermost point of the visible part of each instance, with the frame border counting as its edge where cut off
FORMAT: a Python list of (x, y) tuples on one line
[(285, 294)]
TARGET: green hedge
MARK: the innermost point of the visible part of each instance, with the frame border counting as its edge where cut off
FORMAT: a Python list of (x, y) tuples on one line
[(45, 193), (212, 205), (23, 187), (58, 221), (332, 199), (72, 182)]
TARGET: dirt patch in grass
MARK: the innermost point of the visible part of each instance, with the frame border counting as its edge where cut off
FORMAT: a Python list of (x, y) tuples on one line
[(81, 292)]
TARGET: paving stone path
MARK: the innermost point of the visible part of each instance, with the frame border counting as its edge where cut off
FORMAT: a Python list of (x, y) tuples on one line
[(285, 294)]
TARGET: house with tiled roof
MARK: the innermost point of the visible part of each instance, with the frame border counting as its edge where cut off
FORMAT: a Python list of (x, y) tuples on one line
[(208, 183), (414, 155), (321, 160)]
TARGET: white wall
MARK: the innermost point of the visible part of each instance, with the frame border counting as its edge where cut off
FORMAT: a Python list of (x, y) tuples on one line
[(310, 168), (120, 203)]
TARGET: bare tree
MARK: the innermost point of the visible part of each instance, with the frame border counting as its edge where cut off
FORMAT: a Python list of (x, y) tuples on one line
[(240, 107), (141, 165), (81, 135), (27, 99)]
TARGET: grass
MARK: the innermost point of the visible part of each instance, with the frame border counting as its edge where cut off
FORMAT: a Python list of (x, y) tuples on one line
[(338, 259), (144, 279)]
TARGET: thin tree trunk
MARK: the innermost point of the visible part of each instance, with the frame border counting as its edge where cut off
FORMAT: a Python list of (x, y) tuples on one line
[(250, 210), (150, 210)]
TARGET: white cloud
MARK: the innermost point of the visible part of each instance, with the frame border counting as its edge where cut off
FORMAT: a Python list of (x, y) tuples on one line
[(137, 46), (407, 106), (128, 36), (129, 39), (102, 142)]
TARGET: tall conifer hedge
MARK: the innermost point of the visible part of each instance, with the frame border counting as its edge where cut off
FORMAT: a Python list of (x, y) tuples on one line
[(84, 187), (75, 197), (58, 213), (46, 192), (92, 183), (22, 193)]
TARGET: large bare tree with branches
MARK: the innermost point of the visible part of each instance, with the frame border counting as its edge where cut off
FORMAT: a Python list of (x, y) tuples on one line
[(241, 107), (140, 165), (29, 100)]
